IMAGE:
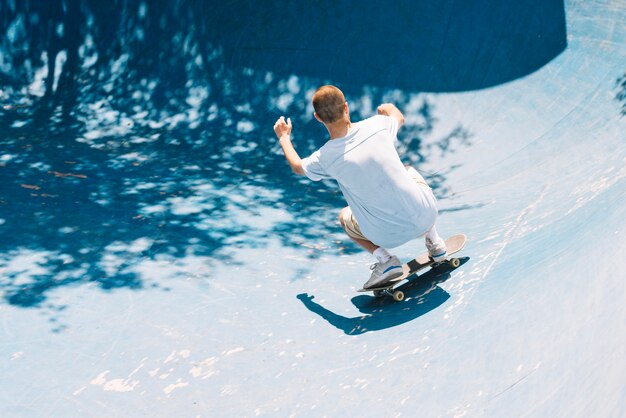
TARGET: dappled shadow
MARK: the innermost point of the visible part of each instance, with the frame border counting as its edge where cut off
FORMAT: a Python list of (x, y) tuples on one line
[(461, 208), (620, 85), (135, 151), (422, 294)]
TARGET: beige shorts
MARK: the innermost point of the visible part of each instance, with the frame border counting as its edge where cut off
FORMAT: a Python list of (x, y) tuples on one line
[(347, 219)]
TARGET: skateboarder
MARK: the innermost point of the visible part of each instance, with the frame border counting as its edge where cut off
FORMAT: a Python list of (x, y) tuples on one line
[(388, 204)]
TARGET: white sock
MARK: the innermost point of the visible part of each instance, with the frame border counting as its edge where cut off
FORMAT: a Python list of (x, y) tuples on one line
[(382, 255), (432, 235)]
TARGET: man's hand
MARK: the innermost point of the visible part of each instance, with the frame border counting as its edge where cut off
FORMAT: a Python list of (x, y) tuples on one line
[(385, 109), (389, 109), (282, 128), (283, 132)]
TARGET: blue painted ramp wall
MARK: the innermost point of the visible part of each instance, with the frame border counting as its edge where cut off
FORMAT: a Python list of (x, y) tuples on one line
[(158, 258)]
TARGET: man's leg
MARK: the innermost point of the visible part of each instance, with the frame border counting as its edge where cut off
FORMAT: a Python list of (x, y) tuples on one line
[(354, 232), (435, 244), (388, 267), (432, 235)]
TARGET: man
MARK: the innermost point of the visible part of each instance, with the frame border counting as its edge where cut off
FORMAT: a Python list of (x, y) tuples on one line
[(388, 204)]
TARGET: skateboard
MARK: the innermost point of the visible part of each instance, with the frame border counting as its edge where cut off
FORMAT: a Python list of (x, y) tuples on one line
[(454, 244)]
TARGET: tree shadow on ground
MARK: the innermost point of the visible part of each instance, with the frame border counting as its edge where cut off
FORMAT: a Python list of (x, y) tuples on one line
[(620, 85), (135, 151), (423, 295)]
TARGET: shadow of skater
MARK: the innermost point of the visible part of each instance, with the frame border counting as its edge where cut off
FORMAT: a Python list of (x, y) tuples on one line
[(422, 296)]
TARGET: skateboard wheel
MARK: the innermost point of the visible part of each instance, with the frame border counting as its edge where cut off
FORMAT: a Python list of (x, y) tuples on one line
[(379, 293), (455, 262), (398, 295)]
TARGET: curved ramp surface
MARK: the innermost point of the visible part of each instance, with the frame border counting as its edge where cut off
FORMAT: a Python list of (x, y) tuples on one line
[(158, 258)]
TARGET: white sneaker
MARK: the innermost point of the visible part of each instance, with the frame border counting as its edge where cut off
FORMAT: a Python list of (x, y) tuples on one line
[(437, 250), (384, 272)]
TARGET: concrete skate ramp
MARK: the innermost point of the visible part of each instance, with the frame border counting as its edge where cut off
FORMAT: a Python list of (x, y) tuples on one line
[(419, 46), (158, 258)]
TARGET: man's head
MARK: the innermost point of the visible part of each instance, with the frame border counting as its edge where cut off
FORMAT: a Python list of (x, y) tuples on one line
[(329, 104)]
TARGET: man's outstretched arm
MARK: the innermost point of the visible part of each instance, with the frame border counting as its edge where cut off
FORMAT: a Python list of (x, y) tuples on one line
[(389, 109), (283, 132)]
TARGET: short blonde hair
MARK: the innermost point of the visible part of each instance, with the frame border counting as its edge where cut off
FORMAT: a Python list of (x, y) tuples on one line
[(328, 103)]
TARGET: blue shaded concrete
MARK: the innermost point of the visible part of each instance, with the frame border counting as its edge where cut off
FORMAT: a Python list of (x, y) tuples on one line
[(159, 259), (417, 46)]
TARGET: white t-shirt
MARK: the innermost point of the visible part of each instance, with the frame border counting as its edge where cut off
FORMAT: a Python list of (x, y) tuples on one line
[(389, 206)]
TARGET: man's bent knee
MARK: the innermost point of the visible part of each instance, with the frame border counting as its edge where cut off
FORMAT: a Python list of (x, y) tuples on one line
[(342, 215)]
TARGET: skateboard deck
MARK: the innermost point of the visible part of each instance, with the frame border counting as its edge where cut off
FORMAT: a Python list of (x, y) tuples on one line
[(454, 244)]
